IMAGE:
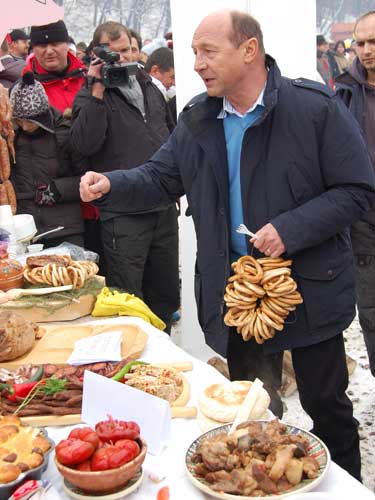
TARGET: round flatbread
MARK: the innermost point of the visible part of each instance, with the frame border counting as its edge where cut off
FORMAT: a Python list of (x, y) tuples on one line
[(221, 402), (206, 423)]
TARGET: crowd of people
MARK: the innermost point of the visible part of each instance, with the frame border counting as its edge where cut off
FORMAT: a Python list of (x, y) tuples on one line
[(67, 122), (292, 159), (333, 59)]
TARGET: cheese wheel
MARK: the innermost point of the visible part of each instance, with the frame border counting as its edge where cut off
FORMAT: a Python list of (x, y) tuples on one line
[(221, 402)]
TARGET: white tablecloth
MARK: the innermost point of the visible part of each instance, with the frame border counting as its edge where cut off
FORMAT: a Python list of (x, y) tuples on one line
[(171, 463)]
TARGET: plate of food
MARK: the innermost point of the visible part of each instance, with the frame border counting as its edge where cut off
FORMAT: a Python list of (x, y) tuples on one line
[(24, 453), (261, 459)]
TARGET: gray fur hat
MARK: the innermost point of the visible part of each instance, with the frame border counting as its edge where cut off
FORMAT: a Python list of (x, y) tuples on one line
[(30, 102)]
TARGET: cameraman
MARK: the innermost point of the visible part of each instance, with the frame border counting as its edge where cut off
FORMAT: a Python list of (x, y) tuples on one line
[(120, 128)]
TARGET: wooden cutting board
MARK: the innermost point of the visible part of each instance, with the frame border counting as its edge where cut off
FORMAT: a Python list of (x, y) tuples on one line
[(63, 306), (57, 343), (179, 411), (178, 408)]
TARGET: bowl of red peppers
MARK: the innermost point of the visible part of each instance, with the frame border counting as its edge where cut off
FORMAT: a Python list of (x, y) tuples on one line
[(104, 459)]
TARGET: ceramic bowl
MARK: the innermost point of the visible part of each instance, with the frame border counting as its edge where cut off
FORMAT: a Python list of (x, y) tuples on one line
[(24, 226), (104, 481), (11, 274)]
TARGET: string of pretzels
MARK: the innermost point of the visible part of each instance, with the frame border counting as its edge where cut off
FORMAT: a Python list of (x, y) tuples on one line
[(75, 273), (259, 297)]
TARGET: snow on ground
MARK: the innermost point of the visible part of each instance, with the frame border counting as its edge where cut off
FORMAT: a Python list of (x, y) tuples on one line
[(361, 391)]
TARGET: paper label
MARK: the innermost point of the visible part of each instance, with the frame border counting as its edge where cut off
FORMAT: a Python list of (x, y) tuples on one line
[(102, 347), (103, 396)]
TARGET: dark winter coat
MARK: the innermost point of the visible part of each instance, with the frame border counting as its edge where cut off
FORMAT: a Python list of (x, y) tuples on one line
[(12, 70), (304, 169), (359, 97), (42, 158), (112, 133)]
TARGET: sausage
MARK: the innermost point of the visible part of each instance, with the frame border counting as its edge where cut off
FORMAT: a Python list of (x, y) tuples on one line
[(11, 195), (43, 409), (65, 372), (74, 401), (3, 195), (4, 160), (65, 395)]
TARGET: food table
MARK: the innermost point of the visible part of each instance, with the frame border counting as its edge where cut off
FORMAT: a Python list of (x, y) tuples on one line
[(171, 463)]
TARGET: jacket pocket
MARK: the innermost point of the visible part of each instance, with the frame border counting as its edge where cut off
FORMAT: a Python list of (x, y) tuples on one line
[(209, 303), (328, 293)]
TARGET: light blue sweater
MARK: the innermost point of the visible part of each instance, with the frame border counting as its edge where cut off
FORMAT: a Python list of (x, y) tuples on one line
[(235, 128)]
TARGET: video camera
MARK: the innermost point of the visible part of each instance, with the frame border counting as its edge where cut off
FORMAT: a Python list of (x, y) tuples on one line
[(113, 73)]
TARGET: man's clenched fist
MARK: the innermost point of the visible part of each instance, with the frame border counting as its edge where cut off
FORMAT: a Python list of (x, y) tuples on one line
[(93, 186)]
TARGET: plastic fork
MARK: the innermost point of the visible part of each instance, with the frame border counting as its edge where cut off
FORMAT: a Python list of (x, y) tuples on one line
[(242, 229)]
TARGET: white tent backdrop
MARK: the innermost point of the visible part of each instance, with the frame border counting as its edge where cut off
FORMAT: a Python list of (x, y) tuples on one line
[(289, 32)]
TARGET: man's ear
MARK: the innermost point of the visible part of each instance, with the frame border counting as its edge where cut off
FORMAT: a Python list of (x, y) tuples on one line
[(154, 70), (251, 49)]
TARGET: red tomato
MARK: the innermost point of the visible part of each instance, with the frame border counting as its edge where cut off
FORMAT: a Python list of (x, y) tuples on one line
[(130, 445), (73, 451), (85, 434), (163, 493), (113, 430), (110, 457), (84, 466)]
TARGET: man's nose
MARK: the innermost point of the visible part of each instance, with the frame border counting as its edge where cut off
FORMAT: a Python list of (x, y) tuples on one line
[(199, 64)]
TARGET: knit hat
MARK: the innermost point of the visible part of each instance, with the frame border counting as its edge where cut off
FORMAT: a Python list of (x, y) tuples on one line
[(49, 33), (30, 102)]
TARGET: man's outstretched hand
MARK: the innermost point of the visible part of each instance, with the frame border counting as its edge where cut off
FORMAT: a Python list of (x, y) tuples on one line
[(93, 186)]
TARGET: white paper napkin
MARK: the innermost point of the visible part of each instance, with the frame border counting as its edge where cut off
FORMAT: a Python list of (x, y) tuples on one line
[(103, 347)]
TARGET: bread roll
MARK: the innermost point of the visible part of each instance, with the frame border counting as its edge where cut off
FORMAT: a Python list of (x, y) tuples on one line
[(221, 402), (17, 336)]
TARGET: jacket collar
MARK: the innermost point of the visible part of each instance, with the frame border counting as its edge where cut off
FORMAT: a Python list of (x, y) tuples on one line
[(75, 69), (207, 108), (200, 117)]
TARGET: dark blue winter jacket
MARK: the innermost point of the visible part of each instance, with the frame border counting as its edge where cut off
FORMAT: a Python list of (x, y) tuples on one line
[(304, 168)]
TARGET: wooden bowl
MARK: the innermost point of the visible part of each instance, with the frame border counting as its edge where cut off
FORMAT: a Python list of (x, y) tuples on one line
[(104, 481)]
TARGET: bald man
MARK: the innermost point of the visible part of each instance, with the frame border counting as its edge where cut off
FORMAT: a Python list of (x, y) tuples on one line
[(285, 158)]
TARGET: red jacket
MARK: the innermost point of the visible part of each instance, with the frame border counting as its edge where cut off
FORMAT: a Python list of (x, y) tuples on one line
[(61, 90)]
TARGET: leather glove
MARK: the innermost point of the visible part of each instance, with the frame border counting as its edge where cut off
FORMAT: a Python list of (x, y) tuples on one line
[(46, 195)]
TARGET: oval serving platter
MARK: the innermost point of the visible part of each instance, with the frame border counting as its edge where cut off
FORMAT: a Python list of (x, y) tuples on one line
[(317, 449)]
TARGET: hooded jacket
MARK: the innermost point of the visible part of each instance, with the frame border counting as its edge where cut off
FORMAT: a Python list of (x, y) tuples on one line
[(359, 97), (61, 88), (42, 158), (12, 70), (304, 169)]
